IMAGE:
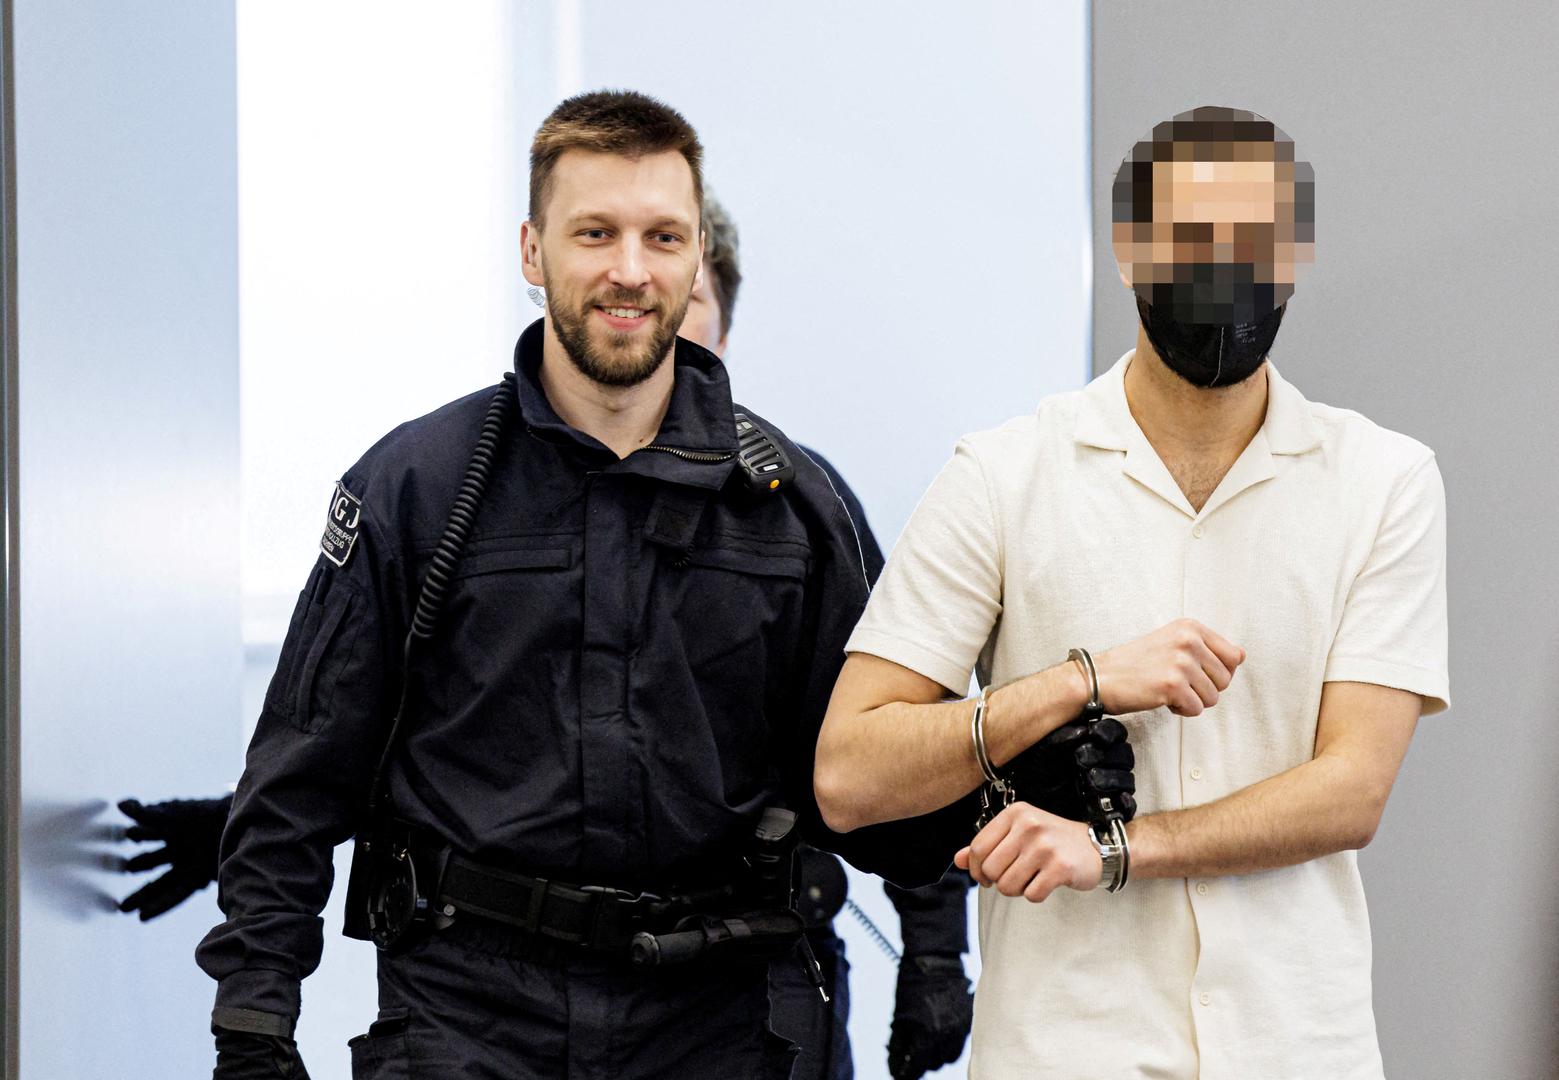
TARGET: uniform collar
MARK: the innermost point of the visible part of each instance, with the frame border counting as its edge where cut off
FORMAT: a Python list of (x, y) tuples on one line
[(1104, 421), (698, 419)]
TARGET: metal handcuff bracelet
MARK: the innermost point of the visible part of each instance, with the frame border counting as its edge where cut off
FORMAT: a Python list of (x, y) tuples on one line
[(1106, 811)]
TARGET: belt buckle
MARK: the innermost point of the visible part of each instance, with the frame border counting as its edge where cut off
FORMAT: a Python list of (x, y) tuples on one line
[(623, 905), (622, 896), (531, 921)]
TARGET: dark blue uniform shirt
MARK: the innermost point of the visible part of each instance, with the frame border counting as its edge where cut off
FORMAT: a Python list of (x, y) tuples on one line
[(599, 705)]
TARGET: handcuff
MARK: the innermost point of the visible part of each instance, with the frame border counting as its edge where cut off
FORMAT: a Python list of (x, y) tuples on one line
[(1106, 826)]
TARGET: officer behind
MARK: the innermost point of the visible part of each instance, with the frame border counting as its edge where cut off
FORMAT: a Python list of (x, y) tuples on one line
[(631, 665)]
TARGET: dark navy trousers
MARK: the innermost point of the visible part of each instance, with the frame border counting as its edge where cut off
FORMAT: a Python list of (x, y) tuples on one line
[(799, 1014), (466, 1003)]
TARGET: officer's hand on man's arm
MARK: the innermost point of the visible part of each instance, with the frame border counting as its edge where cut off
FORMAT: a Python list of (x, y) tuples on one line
[(244, 1055), (1070, 770), (191, 834)]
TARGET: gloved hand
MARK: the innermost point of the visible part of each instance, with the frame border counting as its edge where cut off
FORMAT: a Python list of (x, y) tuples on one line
[(191, 832), (1068, 770), (243, 1055), (932, 1013)]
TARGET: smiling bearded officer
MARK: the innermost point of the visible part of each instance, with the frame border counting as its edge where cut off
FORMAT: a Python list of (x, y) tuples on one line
[(563, 688)]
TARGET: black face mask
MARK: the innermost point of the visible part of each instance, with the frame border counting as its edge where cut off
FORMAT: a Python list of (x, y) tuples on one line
[(1209, 354)]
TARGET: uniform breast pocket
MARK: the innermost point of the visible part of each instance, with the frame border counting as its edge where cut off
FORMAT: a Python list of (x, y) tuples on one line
[(511, 625), (491, 584), (741, 608), (476, 564)]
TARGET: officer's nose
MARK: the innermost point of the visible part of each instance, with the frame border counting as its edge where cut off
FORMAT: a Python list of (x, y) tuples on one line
[(630, 270)]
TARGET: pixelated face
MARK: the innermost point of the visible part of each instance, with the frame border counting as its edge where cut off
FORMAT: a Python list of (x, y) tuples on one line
[(702, 322), (1212, 217), (618, 259)]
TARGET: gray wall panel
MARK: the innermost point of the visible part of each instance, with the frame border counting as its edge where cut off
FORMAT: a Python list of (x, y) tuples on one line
[(1431, 310)]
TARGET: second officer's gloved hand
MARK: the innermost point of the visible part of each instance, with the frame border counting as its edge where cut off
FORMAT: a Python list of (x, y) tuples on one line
[(932, 1014), (191, 835), (243, 1055), (1071, 768)]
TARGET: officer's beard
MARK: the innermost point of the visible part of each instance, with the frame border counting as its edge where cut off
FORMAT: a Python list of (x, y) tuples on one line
[(619, 363)]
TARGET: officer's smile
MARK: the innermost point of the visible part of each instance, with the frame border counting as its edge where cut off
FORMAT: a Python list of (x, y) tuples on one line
[(624, 318)]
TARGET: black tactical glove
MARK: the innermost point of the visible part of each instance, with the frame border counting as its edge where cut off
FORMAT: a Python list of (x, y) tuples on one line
[(1069, 770), (243, 1055), (191, 834), (932, 1014)]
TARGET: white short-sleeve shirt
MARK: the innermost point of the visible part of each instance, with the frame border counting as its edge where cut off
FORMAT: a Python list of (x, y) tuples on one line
[(1322, 553)]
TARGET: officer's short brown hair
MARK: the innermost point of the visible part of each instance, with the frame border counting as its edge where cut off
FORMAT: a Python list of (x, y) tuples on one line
[(610, 122), (722, 258)]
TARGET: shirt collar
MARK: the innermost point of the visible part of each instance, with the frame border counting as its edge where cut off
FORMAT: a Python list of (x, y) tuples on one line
[(699, 417), (1104, 419)]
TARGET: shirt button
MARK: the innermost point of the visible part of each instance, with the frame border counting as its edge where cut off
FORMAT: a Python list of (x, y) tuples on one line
[(1205, 999), (1201, 890), (1196, 774), (1197, 532)]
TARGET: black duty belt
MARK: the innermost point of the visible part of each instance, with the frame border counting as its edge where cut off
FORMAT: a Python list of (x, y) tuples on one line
[(593, 917)]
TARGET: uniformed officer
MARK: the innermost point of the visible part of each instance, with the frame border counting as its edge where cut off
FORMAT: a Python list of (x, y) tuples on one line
[(632, 662)]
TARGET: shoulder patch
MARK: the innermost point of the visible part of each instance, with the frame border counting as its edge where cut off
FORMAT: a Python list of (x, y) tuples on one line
[(346, 511)]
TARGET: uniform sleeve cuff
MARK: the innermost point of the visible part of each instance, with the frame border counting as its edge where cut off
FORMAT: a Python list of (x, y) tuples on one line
[(1431, 685), (253, 993), (252, 1021)]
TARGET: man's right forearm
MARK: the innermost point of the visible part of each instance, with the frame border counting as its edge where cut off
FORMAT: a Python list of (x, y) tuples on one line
[(889, 749)]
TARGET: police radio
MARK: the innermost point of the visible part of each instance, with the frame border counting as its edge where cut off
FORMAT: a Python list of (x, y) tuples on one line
[(765, 465), (387, 893)]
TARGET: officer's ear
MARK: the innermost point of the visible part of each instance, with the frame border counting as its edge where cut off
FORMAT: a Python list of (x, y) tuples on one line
[(530, 254)]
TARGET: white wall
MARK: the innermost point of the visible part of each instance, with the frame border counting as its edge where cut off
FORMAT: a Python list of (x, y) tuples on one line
[(127, 272), (911, 185), (382, 189)]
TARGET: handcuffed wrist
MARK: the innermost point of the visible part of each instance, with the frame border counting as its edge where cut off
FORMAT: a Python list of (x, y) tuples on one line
[(1072, 688), (1084, 661), (995, 793), (1114, 854), (982, 756)]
